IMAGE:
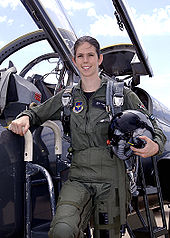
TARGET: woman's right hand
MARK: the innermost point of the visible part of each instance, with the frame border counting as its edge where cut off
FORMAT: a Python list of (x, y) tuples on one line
[(20, 126)]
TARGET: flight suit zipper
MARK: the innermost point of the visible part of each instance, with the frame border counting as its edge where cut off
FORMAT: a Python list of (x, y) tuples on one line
[(88, 101)]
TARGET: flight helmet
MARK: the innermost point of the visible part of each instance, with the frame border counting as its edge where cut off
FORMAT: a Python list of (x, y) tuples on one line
[(125, 129)]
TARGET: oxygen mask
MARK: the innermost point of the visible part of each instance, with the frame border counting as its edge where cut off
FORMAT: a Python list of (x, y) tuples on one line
[(125, 130)]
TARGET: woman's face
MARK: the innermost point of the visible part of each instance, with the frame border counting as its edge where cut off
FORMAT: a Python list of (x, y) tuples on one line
[(87, 61)]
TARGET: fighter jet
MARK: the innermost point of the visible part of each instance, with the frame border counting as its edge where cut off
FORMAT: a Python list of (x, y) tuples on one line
[(27, 199)]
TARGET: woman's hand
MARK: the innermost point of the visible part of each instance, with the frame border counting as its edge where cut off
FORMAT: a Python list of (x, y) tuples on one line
[(151, 148), (20, 126)]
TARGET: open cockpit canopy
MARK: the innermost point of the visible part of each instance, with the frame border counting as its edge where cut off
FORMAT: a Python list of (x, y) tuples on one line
[(52, 18)]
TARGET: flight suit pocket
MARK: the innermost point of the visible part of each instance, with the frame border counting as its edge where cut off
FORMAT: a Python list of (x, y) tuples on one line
[(101, 132)]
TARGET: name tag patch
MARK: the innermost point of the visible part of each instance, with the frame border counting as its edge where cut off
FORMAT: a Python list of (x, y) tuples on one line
[(99, 104)]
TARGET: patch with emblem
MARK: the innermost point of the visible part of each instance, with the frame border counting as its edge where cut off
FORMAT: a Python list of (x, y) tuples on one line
[(78, 107), (141, 106)]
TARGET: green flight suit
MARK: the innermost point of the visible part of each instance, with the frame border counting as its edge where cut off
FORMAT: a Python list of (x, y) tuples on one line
[(97, 181)]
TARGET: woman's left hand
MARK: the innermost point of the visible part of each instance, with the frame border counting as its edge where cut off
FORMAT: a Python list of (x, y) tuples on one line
[(151, 148)]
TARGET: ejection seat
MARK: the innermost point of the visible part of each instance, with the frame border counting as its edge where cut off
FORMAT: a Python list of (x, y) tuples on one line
[(16, 94)]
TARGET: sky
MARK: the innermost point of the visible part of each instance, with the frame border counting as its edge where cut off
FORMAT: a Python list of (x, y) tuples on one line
[(151, 19)]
